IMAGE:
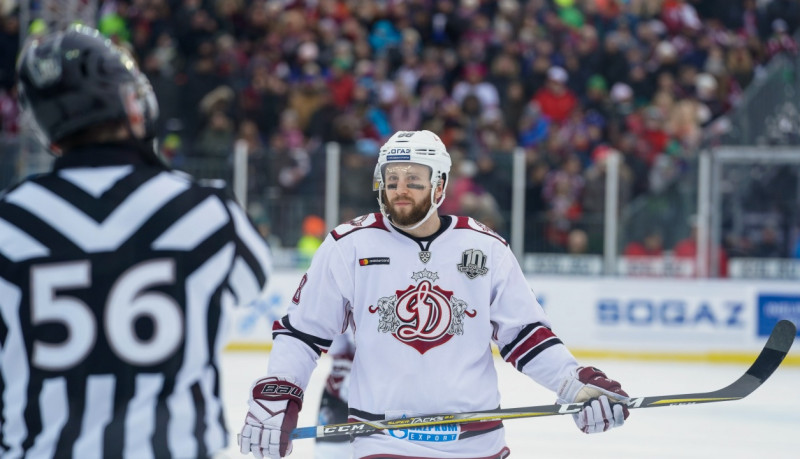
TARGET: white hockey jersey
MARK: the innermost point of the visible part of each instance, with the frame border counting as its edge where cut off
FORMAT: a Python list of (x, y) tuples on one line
[(424, 314)]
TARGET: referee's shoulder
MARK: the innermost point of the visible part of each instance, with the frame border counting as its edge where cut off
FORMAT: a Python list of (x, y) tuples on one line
[(37, 177)]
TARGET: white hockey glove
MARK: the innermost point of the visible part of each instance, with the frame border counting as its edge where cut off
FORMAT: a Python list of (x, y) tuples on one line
[(274, 407), (607, 401)]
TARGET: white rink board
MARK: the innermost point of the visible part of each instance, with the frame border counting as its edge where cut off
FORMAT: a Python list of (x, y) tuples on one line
[(614, 314), (763, 425), (666, 315)]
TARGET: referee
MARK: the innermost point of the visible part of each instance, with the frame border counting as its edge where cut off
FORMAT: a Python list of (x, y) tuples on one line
[(116, 273)]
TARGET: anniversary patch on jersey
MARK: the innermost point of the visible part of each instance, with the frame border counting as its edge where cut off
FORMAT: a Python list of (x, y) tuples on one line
[(373, 261), (473, 263), (422, 316)]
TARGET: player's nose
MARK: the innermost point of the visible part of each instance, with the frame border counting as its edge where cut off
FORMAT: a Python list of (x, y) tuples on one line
[(403, 188)]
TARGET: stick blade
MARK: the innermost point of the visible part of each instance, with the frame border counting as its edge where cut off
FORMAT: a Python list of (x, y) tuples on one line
[(782, 336), (778, 345)]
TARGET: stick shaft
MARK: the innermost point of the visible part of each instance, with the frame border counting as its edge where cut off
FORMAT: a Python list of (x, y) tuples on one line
[(768, 360)]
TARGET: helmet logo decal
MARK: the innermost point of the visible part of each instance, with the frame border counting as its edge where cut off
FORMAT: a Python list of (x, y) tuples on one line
[(44, 70), (473, 263), (422, 316)]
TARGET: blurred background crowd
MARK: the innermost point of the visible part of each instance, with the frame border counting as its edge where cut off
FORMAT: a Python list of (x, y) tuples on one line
[(570, 81)]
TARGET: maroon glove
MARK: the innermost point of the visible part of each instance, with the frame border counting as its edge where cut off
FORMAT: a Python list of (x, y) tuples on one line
[(274, 406), (607, 401)]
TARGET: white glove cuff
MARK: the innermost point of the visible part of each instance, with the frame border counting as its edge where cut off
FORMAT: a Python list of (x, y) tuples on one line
[(570, 387), (572, 390)]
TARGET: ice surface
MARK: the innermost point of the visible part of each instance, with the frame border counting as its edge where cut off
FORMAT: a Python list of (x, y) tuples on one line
[(766, 424)]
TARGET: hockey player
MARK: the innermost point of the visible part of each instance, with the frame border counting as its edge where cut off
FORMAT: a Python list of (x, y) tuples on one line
[(116, 273), (425, 295)]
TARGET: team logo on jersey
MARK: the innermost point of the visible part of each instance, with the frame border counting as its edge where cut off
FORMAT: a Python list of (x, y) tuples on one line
[(424, 256), (473, 263), (422, 316), (373, 261), (358, 221)]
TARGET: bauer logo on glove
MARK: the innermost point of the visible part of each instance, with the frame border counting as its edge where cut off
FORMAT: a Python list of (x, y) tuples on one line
[(282, 389)]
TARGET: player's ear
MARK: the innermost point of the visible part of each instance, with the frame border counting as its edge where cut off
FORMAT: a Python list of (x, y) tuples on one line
[(440, 187)]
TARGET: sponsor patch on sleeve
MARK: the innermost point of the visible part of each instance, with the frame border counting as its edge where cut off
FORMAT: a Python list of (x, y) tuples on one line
[(373, 261)]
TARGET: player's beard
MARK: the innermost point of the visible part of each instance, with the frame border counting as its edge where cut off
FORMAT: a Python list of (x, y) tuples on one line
[(418, 212)]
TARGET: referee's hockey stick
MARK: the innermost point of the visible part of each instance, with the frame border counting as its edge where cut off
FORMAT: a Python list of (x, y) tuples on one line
[(776, 348)]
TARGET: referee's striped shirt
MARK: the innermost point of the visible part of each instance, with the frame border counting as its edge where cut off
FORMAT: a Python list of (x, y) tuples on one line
[(116, 278)]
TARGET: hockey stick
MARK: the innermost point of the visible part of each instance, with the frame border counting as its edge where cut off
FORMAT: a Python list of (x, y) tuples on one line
[(771, 356)]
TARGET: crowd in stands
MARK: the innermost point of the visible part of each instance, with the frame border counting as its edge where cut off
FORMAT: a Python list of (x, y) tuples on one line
[(570, 81)]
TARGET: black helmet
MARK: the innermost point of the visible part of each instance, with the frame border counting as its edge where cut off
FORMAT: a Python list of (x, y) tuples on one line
[(74, 79)]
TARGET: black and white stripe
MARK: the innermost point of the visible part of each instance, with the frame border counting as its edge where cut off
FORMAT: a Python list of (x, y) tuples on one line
[(114, 282)]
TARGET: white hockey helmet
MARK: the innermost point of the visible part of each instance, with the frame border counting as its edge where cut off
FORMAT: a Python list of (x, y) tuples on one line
[(419, 147)]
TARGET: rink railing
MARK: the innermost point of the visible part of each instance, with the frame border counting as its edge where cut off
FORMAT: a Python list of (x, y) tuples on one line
[(19, 159)]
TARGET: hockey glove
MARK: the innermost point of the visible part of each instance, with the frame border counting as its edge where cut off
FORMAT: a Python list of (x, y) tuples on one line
[(607, 401), (274, 407)]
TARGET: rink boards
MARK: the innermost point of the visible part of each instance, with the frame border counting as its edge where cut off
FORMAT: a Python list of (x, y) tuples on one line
[(672, 319)]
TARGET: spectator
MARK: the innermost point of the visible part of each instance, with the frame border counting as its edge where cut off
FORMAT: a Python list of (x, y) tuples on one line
[(534, 126), (650, 246), (474, 84), (313, 234), (687, 249), (780, 41), (513, 106), (404, 113), (769, 244), (341, 84), (215, 142), (9, 44), (596, 96), (9, 112), (562, 191), (739, 63), (615, 66), (577, 242), (290, 165), (555, 99), (594, 193)]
